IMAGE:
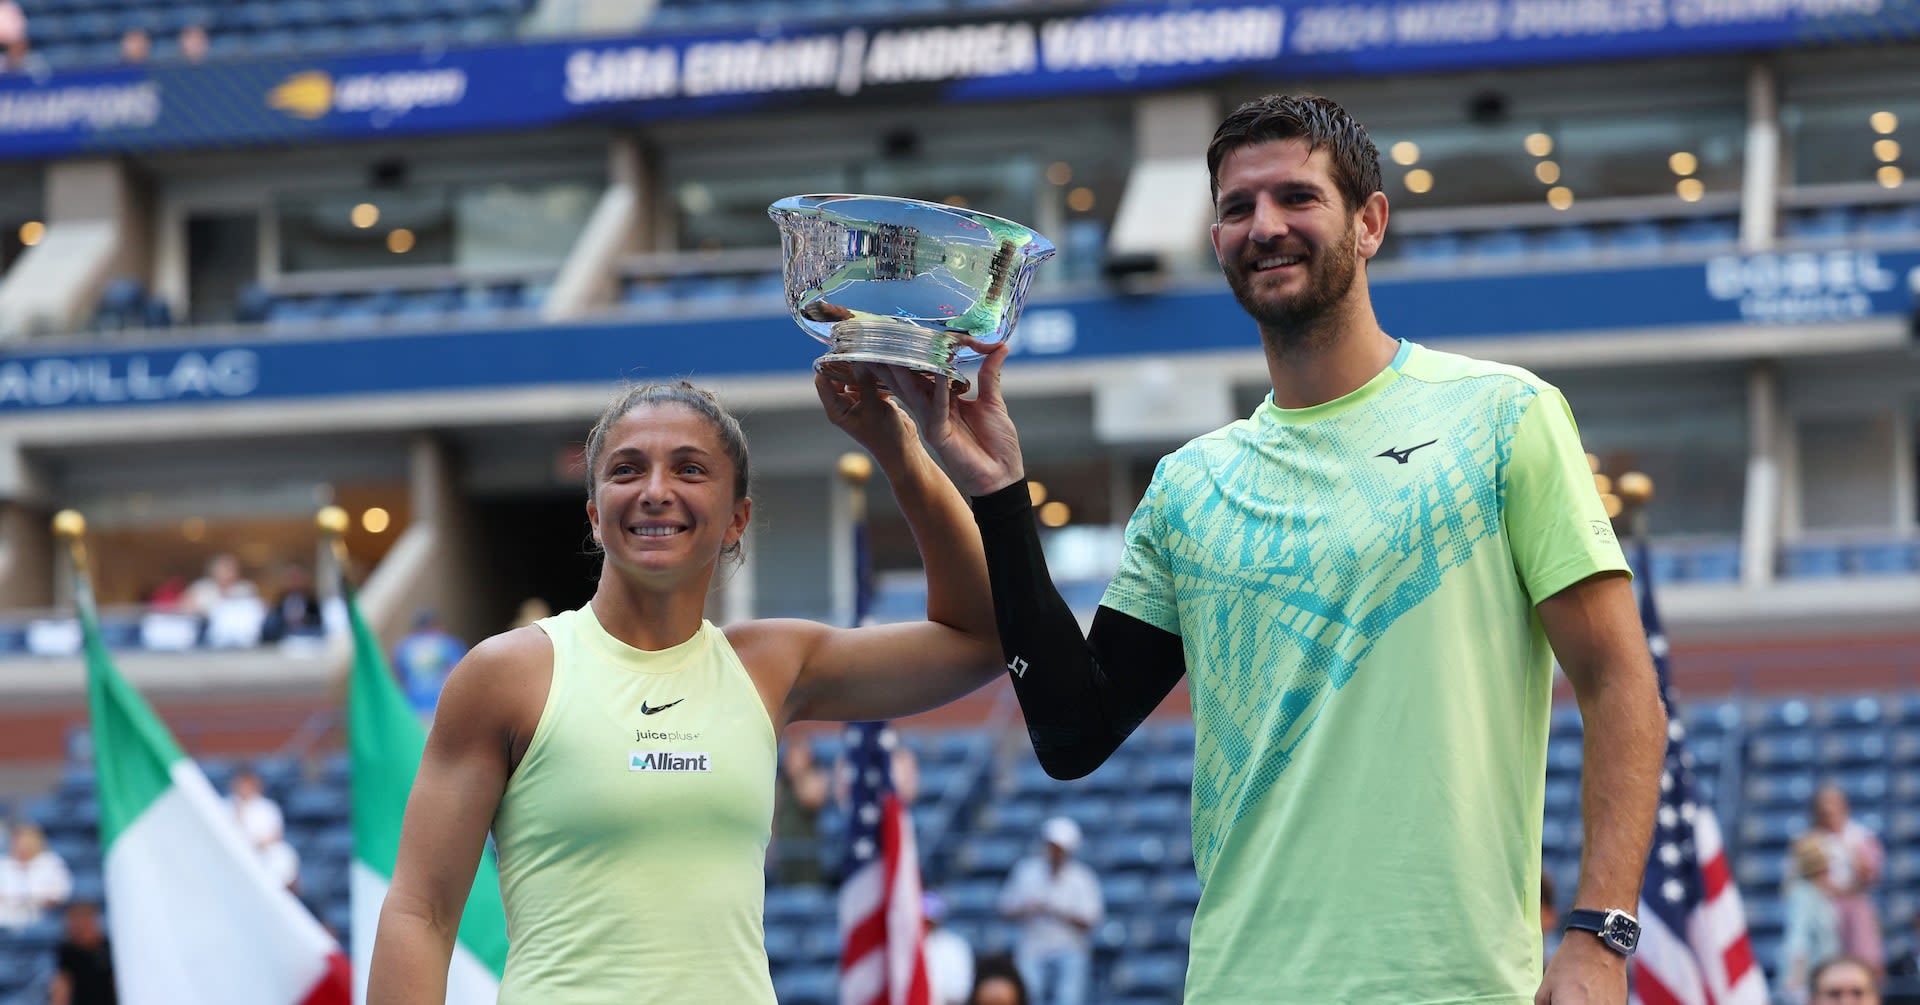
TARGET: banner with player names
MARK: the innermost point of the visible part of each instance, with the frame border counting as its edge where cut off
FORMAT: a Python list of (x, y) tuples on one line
[(1102, 48)]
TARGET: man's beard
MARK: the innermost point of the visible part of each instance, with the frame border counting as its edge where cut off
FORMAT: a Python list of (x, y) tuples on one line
[(1295, 321)]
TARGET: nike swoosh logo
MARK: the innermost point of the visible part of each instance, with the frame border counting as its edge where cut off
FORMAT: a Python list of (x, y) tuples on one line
[(1403, 455), (644, 710)]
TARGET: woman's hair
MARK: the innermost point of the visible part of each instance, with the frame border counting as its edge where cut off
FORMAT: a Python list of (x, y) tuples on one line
[(696, 400), (999, 966)]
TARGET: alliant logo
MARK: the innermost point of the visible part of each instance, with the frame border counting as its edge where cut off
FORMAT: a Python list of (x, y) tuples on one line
[(667, 760)]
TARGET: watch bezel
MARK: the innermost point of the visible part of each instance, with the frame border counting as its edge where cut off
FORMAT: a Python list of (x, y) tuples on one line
[(1620, 931)]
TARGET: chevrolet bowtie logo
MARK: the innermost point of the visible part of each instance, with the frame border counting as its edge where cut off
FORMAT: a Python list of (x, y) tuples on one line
[(306, 95)]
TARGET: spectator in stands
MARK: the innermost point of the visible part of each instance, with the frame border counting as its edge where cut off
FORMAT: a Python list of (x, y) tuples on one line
[(531, 610), (533, 719), (1845, 980), (949, 958), (169, 595), (193, 43), (264, 826), (296, 612), (997, 981), (1344, 623), (1057, 901), (33, 878), (423, 659), (1812, 930), (223, 582), (1855, 860), (13, 36), (135, 45), (83, 961), (799, 794)]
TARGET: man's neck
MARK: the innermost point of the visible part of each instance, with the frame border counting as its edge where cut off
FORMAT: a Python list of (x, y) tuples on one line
[(1315, 370)]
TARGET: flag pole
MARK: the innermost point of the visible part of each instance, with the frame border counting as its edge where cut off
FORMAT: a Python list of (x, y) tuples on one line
[(70, 526), (855, 470)]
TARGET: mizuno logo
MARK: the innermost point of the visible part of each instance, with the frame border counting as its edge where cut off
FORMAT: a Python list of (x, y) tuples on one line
[(1402, 455), (656, 709)]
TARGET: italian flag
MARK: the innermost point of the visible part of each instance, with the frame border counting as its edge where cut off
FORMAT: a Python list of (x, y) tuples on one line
[(196, 916), (386, 740)]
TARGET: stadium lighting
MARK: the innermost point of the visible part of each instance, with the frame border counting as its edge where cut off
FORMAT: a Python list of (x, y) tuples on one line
[(1419, 181), (1080, 199), (365, 215), (1884, 123), (376, 520), (1036, 491), (31, 232), (1683, 163), (1890, 176), (400, 241), (1055, 514), (1887, 150), (1539, 144), (1547, 171), (1059, 172), (1559, 197), (1690, 189), (1406, 153)]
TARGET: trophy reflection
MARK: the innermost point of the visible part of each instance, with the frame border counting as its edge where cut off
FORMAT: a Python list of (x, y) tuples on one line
[(899, 281)]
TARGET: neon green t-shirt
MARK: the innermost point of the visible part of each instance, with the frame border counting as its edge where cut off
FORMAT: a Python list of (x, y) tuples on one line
[(1354, 585)]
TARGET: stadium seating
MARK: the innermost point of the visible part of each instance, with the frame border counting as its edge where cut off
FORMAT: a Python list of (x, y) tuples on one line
[(85, 33), (1755, 761)]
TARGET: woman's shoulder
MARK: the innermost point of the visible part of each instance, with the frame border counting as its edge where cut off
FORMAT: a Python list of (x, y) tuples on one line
[(502, 666)]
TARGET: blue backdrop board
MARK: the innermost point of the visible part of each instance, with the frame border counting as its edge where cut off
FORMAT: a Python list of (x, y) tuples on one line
[(1770, 289)]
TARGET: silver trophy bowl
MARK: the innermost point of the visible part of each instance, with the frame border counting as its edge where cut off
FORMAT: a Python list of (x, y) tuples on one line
[(898, 281)]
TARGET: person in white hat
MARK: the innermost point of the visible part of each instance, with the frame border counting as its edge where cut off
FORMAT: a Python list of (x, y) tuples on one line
[(1056, 898)]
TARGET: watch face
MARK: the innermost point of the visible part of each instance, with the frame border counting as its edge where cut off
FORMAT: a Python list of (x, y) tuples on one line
[(1621, 932)]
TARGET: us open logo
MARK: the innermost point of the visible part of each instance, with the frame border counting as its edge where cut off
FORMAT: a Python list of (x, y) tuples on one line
[(667, 760)]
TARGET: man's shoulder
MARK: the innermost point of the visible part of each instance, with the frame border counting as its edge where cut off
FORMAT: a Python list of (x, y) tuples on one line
[(1436, 366)]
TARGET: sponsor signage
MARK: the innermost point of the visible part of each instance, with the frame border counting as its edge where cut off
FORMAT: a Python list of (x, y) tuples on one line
[(1766, 289), (1104, 49)]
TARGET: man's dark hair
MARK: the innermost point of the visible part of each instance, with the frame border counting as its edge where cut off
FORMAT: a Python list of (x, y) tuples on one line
[(1323, 124), (1820, 969)]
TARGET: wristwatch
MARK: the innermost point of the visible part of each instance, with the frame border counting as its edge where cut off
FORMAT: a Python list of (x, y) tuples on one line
[(1618, 930)]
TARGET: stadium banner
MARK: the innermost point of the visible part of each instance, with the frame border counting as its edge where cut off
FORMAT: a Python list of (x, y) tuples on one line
[(374, 357), (1122, 47)]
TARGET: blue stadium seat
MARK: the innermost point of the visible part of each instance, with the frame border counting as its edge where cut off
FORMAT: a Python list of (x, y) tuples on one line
[(1719, 563), (1780, 788), (1563, 794), (1819, 222), (1497, 245), (1880, 558), (811, 986), (1014, 818), (1771, 828), (989, 856), (804, 903), (1706, 231), (1150, 974), (1435, 247), (1124, 891), (1635, 236), (972, 898), (1175, 889), (1783, 751), (1572, 240), (1864, 711), (783, 946), (316, 804), (1175, 735), (1789, 715), (1812, 561), (1862, 786), (1854, 748), (1890, 220)]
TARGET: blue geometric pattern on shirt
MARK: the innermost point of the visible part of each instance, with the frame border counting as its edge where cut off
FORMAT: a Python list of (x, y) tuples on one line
[(1294, 548)]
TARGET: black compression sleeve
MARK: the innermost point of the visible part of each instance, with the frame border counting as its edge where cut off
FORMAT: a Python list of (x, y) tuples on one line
[(1081, 696)]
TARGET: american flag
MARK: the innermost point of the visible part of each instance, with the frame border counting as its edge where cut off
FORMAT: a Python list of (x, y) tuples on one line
[(882, 961), (1693, 932)]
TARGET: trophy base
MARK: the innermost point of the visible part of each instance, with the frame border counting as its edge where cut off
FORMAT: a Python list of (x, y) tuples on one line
[(887, 342)]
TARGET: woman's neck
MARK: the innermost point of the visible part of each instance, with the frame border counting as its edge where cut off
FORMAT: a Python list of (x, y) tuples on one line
[(647, 619)]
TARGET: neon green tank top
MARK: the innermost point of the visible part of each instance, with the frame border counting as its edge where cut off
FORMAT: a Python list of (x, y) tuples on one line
[(633, 836)]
